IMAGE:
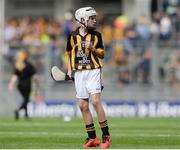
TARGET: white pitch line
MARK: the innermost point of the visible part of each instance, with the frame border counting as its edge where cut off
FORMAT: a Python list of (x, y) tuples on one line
[(36, 125), (81, 134), (8, 133), (25, 124)]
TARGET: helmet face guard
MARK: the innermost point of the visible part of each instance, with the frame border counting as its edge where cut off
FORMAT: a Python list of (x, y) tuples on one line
[(84, 13)]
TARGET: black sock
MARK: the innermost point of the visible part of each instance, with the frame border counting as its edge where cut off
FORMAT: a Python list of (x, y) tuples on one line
[(91, 131), (104, 127)]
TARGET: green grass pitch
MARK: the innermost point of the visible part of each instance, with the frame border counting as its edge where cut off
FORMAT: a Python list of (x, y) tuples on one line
[(54, 133)]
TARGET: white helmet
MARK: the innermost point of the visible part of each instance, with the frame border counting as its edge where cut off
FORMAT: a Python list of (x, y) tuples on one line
[(85, 13)]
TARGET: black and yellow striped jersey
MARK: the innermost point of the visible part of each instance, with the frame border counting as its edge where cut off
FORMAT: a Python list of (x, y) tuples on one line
[(82, 58)]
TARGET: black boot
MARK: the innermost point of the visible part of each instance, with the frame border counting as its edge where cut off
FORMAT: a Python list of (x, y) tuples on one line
[(16, 114)]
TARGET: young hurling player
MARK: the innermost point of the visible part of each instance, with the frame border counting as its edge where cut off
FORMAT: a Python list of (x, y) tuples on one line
[(85, 48)]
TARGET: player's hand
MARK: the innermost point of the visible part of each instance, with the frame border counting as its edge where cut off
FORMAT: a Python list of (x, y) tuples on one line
[(69, 76), (10, 88), (89, 45), (69, 73)]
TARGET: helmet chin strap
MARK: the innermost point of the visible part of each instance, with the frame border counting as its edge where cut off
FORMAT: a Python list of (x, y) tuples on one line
[(88, 28), (82, 23)]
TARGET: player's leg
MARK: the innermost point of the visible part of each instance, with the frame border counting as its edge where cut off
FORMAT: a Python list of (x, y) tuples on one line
[(98, 107), (82, 94), (94, 87), (92, 140), (86, 114), (102, 120)]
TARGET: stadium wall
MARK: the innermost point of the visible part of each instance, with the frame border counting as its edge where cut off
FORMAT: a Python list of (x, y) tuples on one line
[(135, 8), (118, 108)]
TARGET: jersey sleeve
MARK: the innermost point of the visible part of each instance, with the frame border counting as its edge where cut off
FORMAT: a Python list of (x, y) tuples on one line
[(68, 46), (100, 47), (100, 42)]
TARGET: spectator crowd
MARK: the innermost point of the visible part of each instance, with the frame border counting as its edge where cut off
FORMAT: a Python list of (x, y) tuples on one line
[(128, 44)]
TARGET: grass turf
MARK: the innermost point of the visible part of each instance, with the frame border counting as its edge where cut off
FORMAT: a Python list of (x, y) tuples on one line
[(54, 133)]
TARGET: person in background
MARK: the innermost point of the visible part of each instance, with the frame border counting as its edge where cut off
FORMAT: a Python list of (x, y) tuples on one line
[(24, 73)]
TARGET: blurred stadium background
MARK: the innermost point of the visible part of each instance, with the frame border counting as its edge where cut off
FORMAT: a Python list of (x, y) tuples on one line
[(142, 64)]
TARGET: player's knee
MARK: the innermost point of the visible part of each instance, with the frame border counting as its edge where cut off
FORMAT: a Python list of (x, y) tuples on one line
[(83, 106), (95, 102)]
